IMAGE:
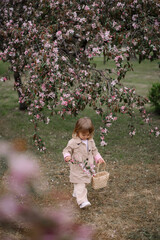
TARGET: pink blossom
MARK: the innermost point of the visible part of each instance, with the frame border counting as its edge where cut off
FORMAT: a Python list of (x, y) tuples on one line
[(123, 108), (132, 133), (118, 27), (103, 143), (3, 79), (64, 58), (135, 26), (107, 36), (147, 120), (114, 23), (71, 70), (98, 112), (59, 35), (93, 25), (86, 8), (104, 130), (43, 87), (64, 103), (114, 82), (9, 207), (47, 45), (70, 31), (156, 23), (23, 167), (119, 4), (89, 97), (117, 58), (134, 17)]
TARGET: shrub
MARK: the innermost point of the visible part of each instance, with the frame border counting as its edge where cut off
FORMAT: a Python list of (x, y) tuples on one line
[(154, 96)]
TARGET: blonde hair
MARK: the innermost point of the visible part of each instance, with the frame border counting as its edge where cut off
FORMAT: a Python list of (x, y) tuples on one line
[(83, 125)]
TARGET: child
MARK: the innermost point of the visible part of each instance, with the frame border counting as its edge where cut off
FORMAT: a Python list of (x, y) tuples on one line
[(81, 152)]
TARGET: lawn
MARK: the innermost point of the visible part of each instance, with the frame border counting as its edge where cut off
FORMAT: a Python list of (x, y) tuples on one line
[(128, 208)]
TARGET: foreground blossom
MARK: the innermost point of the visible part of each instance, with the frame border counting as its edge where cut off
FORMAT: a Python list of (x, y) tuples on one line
[(18, 212)]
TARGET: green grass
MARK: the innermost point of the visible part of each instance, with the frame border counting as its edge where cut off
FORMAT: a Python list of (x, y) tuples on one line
[(121, 147), (3, 68), (141, 78)]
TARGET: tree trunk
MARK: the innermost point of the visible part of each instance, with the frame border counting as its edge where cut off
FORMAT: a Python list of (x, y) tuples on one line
[(104, 57), (18, 82)]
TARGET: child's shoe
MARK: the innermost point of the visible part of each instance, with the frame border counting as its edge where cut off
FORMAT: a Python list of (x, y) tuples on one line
[(85, 204)]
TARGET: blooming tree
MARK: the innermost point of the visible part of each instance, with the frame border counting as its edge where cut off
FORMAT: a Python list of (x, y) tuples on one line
[(54, 42)]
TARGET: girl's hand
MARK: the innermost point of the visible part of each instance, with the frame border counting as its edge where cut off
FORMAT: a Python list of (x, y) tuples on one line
[(101, 160), (67, 159)]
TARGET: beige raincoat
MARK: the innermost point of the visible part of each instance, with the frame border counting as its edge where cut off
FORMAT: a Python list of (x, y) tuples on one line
[(79, 152)]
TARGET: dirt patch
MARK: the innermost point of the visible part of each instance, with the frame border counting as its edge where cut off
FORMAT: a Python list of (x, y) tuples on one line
[(128, 208)]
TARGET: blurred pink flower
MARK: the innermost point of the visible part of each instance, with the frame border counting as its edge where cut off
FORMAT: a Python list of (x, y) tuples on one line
[(23, 169), (9, 208), (103, 143)]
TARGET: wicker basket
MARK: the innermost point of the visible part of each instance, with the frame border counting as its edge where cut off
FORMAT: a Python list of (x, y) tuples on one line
[(100, 179)]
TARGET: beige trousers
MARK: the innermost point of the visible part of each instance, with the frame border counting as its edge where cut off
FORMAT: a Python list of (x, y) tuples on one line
[(80, 192)]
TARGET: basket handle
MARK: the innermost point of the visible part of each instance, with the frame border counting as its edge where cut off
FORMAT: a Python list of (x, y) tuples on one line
[(104, 166)]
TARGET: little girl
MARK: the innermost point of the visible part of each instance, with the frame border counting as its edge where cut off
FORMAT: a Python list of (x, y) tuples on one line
[(81, 152)]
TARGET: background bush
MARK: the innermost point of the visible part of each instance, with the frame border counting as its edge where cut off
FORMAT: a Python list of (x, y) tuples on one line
[(154, 96)]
